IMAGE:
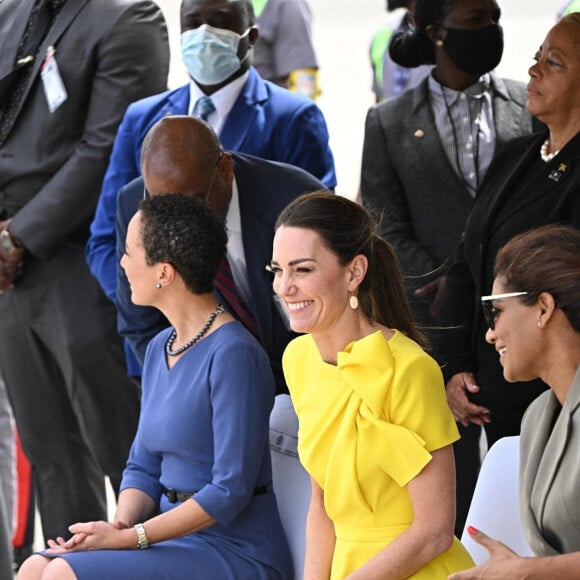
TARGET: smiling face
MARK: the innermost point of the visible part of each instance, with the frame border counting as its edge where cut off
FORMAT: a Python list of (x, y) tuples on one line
[(311, 282), (554, 87), (515, 337)]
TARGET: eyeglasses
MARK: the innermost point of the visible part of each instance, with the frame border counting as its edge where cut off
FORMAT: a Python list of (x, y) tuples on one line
[(490, 312), (221, 156)]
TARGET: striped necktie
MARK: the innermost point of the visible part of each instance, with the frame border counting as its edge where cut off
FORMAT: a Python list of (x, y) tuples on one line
[(203, 108), (224, 283)]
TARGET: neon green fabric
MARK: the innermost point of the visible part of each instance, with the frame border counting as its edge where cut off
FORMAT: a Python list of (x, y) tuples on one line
[(259, 5), (574, 6), (379, 44)]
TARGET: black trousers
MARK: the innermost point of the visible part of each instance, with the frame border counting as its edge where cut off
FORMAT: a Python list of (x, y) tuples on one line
[(75, 408), (467, 464)]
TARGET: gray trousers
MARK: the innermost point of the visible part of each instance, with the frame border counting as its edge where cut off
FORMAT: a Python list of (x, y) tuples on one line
[(7, 457)]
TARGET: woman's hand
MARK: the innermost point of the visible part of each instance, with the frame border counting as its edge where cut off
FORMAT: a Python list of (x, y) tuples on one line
[(463, 409), (503, 562), (93, 536)]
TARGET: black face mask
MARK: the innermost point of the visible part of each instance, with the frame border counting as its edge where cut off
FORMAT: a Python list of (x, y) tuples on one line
[(475, 51)]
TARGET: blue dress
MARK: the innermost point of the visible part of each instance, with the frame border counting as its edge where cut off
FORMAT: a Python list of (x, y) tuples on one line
[(204, 429)]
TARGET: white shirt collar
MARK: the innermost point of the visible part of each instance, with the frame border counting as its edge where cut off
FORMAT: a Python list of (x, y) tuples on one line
[(223, 100)]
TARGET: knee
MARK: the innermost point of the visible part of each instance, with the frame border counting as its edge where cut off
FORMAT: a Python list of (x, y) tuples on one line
[(33, 567), (39, 567), (58, 569)]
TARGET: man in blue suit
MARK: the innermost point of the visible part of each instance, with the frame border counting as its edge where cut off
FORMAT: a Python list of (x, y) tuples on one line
[(183, 155), (249, 115)]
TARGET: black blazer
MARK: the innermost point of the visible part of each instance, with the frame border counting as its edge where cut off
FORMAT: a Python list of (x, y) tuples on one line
[(264, 189), (520, 193)]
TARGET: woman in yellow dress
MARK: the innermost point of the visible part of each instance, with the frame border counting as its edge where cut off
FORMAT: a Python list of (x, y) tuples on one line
[(375, 431)]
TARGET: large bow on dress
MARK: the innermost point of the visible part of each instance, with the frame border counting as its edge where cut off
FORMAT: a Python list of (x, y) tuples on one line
[(366, 437)]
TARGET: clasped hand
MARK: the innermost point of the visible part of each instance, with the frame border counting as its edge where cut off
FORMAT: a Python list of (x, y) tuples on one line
[(10, 264), (90, 536), (463, 409)]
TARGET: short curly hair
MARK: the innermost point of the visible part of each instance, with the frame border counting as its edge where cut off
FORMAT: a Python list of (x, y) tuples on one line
[(187, 233)]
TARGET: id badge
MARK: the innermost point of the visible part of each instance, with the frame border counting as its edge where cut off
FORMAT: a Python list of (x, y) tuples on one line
[(54, 89)]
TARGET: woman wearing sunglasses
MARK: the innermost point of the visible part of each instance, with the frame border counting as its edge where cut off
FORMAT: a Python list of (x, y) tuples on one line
[(534, 325)]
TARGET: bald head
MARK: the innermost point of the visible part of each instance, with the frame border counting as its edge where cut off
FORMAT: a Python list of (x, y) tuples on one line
[(178, 155)]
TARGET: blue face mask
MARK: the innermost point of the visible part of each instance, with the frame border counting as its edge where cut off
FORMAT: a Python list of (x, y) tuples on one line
[(211, 54)]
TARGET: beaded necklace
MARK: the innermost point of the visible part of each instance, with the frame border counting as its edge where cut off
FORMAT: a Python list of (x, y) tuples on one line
[(196, 338), (544, 151)]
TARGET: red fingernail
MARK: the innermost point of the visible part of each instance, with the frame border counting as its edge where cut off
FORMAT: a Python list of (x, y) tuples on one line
[(471, 530)]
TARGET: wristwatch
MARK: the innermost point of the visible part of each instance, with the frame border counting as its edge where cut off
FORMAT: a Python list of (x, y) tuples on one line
[(142, 539), (7, 242)]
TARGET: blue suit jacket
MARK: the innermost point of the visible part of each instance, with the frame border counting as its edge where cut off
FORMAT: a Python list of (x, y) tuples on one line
[(264, 189), (266, 121)]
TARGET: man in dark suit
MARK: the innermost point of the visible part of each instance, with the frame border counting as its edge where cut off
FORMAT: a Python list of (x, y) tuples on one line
[(250, 115), (75, 409), (248, 193)]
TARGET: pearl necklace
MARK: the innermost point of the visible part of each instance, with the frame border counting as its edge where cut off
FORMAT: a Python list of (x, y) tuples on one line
[(544, 152), (196, 338)]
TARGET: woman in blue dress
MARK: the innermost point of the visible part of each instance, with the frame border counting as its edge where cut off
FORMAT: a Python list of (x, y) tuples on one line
[(196, 499)]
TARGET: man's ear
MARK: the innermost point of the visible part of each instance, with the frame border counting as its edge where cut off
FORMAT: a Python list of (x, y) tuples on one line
[(253, 35)]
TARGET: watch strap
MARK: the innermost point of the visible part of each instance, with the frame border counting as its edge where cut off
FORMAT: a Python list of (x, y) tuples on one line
[(142, 539)]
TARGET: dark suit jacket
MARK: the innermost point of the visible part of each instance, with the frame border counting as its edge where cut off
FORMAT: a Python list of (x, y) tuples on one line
[(52, 164), (266, 121), (407, 180), (264, 189), (520, 193)]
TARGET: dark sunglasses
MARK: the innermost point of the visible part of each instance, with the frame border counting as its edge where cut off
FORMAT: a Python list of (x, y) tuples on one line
[(490, 312)]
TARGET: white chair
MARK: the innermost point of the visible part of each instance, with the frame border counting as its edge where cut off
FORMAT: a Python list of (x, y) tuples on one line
[(291, 481), (494, 507)]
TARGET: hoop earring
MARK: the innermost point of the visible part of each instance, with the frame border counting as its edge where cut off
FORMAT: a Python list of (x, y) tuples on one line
[(353, 302)]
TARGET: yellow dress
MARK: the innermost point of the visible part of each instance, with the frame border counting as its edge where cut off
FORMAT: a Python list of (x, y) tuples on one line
[(366, 428)]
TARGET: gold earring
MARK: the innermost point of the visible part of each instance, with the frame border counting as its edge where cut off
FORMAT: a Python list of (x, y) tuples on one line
[(353, 302)]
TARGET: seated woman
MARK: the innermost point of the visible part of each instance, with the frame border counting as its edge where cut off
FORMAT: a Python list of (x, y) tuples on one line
[(375, 431), (197, 489), (534, 324)]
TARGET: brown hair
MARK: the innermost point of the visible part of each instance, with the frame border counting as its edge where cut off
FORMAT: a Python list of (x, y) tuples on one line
[(347, 230), (545, 259)]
